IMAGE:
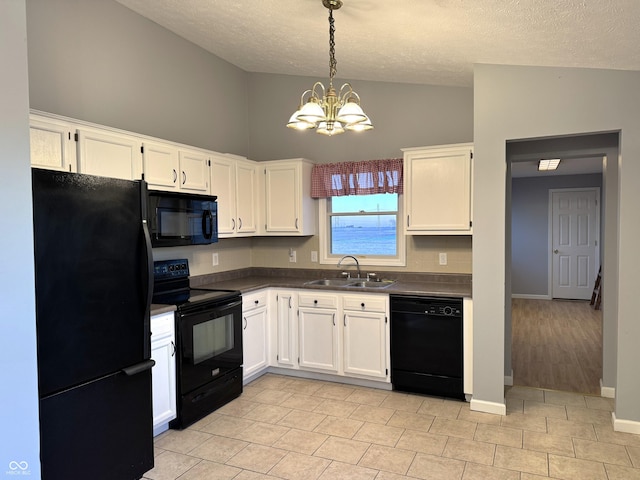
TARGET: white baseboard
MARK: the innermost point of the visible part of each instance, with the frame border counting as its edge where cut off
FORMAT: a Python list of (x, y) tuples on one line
[(508, 379), (626, 426), (488, 407), (530, 297), (607, 392)]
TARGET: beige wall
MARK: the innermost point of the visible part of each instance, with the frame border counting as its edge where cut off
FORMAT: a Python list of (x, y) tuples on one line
[(235, 253)]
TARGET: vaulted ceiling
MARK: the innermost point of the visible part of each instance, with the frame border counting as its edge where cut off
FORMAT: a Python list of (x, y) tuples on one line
[(410, 41)]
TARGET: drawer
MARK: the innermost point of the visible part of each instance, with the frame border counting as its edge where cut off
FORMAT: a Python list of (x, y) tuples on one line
[(318, 301), (363, 303), (162, 324), (254, 300)]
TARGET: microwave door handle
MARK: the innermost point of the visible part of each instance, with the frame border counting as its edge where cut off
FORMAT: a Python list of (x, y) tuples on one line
[(207, 232)]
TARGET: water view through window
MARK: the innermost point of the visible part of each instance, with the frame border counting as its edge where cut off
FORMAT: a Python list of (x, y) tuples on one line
[(364, 225)]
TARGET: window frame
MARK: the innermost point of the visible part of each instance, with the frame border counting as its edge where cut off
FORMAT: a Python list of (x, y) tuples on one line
[(324, 229)]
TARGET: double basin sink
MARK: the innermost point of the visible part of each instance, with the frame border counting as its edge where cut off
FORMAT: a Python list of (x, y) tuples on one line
[(351, 282)]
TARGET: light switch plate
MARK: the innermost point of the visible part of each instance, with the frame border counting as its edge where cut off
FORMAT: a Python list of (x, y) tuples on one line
[(442, 258), (214, 259)]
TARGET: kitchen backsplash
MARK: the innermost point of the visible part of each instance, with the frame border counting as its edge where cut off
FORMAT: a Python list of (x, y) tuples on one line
[(273, 252)]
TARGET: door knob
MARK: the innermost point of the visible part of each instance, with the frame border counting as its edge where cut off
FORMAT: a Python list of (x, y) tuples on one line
[(555, 251)]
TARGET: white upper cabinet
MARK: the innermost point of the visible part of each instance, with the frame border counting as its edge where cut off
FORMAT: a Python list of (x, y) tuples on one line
[(109, 154), (194, 171), (246, 194), (170, 167), (52, 144), (437, 190), (161, 165), (289, 208), (234, 182)]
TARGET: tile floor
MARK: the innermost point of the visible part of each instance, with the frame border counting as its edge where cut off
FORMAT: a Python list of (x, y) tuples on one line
[(299, 429)]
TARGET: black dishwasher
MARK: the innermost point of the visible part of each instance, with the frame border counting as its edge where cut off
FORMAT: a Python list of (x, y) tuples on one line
[(427, 345)]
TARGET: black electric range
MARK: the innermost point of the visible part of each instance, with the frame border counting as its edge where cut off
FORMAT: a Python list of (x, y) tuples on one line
[(208, 341)]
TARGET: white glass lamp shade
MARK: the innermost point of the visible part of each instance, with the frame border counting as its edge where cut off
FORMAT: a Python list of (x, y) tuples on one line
[(330, 128), (297, 124), (360, 126), (311, 112), (350, 113)]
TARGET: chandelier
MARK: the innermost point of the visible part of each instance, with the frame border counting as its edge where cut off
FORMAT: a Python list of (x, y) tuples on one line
[(332, 113)]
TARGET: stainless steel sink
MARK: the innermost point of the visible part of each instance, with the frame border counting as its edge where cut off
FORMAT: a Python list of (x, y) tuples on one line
[(372, 283), (331, 282), (350, 282)]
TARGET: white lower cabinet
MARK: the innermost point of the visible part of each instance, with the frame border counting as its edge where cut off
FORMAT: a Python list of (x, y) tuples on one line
[(255, 333), (286, 329), (318, 332), (332, 332), (365, 322), (163, 374)]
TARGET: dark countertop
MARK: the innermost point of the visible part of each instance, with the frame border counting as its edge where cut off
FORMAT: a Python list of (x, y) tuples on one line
[(252, 279)]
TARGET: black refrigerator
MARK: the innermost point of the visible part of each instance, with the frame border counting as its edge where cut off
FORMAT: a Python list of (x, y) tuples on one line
[(94, 282)]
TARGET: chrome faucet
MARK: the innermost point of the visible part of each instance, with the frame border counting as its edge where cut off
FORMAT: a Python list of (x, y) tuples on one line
[(354, 259)]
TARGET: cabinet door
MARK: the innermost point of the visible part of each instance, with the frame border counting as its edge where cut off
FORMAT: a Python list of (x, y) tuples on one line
[(160, 166), (51, 145), (365, 343), (163, 373), (194, 171), (246, 187), (109, 154), (223, 185), (282, 190), (318, 339), (438, 190), (286, 339), (254, 341)]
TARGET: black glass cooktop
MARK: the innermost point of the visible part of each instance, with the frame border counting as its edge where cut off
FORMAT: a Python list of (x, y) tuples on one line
[(193, 296)]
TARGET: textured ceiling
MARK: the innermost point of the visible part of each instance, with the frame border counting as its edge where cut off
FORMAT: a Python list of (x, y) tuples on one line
[(412, 41)]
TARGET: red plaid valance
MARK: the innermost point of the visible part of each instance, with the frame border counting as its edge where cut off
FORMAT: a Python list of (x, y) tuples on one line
[(357, 178)]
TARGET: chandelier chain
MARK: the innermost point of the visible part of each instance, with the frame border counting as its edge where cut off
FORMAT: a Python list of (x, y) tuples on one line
[(332, 48)]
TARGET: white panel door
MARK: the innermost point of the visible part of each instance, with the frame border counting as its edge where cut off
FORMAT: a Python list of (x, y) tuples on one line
[(223, 186), (574, 242), (109, 154), (51, 145), (246, 197), (160, 166), (365, 343), (318, 339), (282, 197), (194, 171), (286, 331)]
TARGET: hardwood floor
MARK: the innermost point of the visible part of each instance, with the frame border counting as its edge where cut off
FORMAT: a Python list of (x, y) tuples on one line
[(557, 344)]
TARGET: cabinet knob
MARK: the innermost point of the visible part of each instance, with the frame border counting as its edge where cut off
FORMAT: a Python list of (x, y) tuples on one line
[(257, 302), (315, 302), (362, 304)]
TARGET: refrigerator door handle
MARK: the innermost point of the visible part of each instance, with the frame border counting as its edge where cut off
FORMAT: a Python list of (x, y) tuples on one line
[(139, 368), (149, 296)]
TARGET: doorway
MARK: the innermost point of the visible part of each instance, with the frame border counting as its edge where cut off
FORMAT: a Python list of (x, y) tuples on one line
[(529, 204)]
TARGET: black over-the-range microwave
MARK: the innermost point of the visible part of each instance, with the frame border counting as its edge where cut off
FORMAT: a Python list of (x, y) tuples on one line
[(177, 219)]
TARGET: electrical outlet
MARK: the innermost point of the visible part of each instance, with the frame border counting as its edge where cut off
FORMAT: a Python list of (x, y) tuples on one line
[(292, 256), (442, 258), (214, 259), (314, 256)]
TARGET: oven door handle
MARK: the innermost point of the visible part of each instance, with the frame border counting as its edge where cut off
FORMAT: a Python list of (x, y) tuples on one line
[(207, 232)]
